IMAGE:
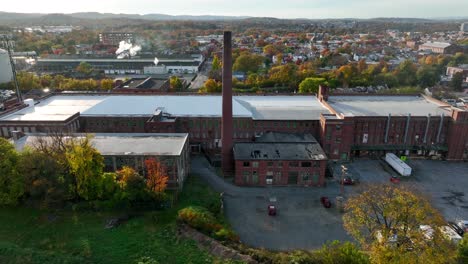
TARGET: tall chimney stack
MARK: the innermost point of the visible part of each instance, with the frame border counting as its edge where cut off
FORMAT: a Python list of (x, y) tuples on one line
[(227, 162)]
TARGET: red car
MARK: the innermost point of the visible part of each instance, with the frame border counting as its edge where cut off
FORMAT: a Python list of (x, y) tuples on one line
[(271, 210), (394, 179), (325, 202), (347, 181)]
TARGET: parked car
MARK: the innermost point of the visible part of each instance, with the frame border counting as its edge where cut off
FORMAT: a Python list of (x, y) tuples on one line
[(463, 224), (271, 210), (394, 179), (348, 180), (325, 202), (456, 228)]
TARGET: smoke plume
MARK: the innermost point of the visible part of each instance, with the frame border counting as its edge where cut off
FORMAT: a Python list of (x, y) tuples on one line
[(127, 49)]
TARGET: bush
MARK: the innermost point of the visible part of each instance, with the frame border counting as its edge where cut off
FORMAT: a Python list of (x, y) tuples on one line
[(225, 234), (199, 218)]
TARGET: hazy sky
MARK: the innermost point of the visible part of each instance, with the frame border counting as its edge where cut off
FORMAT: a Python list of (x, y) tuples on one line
[(270, 8)]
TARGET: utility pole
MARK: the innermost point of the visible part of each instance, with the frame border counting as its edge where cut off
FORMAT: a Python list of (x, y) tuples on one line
[(13, 68), (343, 172)]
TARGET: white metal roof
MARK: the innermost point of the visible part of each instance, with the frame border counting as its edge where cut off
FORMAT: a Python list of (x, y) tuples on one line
[(55, 108), (61, 107), (126, 144), (385, 105)]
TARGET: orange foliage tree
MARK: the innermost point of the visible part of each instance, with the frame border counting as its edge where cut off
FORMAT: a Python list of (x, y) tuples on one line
[(157, 175)]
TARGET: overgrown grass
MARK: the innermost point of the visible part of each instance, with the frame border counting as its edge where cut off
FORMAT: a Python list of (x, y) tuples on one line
[(29, 236)]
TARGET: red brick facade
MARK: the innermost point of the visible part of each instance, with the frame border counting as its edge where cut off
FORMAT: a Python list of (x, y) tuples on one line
[(282, 173)]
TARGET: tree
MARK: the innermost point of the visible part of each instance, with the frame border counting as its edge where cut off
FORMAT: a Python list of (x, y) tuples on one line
[(216, 64), (132, 183), (284, 74), (457, 81), (406, 73), (270, 50), (84, 68), (427, 76), (175, 83), (386, 220), (86, 165), (11, 182), (311, 85), (248, 63), (44, 178), (156, 179), (108, 185), (344, 74)]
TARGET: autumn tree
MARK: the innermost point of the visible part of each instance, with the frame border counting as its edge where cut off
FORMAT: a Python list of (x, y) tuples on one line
[(175, 83), (107, 84), (216, 64), (84, 68), (132, 183), (248, 63), (11, 181), (156, 177), (271, 50), (386, 220), (344, 74), (86, 165), (211, 86), (284, 74)]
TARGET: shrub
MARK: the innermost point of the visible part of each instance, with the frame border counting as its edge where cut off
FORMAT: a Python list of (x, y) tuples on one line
[(226, 234), (199, 218)]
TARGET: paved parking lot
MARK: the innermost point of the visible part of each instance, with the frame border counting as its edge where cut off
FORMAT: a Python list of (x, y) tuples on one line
[(302, 222), (444, 183)]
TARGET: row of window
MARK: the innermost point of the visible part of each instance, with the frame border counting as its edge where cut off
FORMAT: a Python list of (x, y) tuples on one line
[(276, 177), (294, 164), (210, 124)]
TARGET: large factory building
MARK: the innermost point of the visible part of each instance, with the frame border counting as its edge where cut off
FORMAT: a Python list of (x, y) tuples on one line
[(232, 129)]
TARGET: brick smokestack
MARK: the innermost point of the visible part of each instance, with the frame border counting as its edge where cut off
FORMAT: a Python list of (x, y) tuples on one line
[(227, 162), (323, 93)]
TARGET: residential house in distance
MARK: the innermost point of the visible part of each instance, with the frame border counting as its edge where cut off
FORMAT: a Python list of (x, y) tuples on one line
[(456, 69)]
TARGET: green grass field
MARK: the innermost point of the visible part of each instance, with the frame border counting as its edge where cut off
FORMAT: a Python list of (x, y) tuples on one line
[(27, 236)]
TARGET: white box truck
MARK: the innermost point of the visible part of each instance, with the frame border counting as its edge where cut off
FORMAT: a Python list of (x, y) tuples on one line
[(397, 164)]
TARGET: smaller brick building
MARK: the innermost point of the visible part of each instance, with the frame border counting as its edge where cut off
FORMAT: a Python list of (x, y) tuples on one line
[(280, 159), (132, 150)]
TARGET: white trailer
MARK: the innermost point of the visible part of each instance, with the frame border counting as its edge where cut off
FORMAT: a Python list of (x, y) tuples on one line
[(397, 164)]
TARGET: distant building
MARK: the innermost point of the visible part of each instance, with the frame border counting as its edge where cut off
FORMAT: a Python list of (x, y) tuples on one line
[(462, 68), (464, 27), (439, 47), (114, 38), (121, 66), (137, 85), (6, 74)]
